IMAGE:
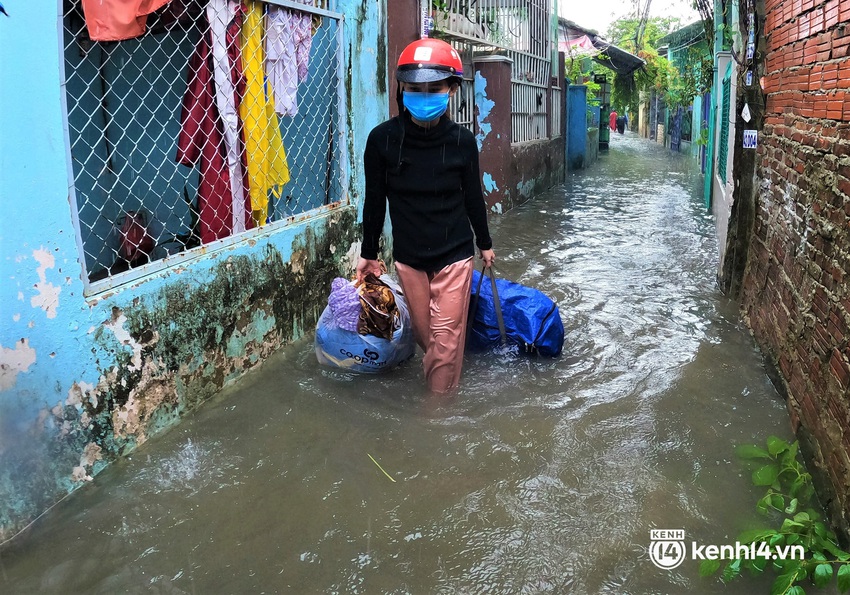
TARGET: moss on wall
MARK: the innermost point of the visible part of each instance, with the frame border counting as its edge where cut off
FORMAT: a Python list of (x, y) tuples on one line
[(166, 352)]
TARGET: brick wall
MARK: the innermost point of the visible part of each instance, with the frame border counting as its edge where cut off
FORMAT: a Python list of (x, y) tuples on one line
[(796, 288)]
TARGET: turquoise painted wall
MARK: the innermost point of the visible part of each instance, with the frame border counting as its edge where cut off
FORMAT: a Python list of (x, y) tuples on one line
[(576, 145), (85, 380)]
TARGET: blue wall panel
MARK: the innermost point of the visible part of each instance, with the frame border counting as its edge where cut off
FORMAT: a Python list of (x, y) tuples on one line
[(576, 126), (85, 379)]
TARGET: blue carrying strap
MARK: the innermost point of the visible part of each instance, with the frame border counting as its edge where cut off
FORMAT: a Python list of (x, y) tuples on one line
[(497, 305)]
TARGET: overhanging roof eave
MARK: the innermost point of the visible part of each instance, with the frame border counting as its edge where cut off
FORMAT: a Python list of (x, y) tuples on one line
[(617, 59)]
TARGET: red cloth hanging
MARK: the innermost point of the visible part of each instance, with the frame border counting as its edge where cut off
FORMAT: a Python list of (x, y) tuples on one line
[(201, 137), (114, 20)]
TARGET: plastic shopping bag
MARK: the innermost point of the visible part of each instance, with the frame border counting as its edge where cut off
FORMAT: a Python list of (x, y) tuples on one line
[(365, 353)]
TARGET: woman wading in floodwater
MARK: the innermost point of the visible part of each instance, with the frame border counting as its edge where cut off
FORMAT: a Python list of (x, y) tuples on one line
[(425, 166)]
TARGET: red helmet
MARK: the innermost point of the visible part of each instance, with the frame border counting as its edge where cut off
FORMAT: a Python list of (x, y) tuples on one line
[(427, 60)]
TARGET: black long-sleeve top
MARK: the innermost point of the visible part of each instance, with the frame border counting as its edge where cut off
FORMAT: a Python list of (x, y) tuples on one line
[(430, 178)]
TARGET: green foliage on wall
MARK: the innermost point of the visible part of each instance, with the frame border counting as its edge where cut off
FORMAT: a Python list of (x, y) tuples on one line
[(790, 505)]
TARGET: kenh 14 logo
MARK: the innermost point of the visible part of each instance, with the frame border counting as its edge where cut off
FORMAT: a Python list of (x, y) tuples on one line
[(667, 547)]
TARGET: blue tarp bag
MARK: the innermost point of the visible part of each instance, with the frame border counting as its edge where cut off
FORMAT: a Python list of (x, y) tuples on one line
[(519, 315), (369, 354)]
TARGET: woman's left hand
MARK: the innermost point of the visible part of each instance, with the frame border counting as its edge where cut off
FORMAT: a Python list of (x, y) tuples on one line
[(488, 256)]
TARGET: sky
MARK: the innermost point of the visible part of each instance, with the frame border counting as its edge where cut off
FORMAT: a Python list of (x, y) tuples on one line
[(598, 14)]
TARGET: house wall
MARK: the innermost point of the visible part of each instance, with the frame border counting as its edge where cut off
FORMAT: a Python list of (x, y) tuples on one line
[(723, 186), (511, 173), (84, 380), (403, 27), (796, 295), (592, 146), (536, 167)]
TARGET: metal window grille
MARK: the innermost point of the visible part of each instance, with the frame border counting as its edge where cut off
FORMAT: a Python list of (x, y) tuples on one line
[(529, 88), (674, 124), (556, 111), (657, 109), (653, 115), (137, 208), (519, 29), (723, 149), (462, 104)]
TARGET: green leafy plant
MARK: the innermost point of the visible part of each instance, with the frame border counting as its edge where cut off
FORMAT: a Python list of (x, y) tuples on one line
[(789, 502)]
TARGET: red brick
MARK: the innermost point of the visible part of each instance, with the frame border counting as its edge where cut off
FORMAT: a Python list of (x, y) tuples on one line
[(820, 341), (836, 325), (838, 412), (831, 466), (830, 14), (816, 22), (840, 368), (808, 412), (844, 76)]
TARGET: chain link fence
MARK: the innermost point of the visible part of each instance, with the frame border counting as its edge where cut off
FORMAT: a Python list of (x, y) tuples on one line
[(220, 118)]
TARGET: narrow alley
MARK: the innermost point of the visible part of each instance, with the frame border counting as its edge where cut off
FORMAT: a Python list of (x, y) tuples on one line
[(545, 476)]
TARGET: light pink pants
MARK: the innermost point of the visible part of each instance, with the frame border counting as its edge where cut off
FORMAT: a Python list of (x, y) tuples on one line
[(439, 304)]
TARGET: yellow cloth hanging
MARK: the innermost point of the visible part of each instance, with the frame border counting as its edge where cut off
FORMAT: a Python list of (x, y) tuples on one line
[(267, 166)]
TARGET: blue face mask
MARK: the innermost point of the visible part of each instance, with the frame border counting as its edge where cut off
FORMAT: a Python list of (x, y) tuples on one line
[(426, 106)]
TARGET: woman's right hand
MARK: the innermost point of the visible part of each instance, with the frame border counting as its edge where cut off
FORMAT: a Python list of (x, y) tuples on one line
[(365, 266)]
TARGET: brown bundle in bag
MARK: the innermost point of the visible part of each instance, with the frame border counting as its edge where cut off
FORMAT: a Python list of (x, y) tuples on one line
[(379, 313)]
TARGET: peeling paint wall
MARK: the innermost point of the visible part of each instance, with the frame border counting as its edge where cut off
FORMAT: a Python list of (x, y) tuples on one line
[(511, 173), (83, 381), (484, 105)]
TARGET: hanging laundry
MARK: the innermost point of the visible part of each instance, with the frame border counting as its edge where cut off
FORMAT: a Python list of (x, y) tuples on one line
[(180, 12), (267, 166), (229, 88), (201, 137), (288, 42), (115, 20)]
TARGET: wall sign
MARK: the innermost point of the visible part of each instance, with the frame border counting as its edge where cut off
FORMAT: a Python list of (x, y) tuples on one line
[(751, 139)]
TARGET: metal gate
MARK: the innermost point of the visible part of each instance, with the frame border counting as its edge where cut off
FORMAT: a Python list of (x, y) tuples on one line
[(676, 130), (522, 30)]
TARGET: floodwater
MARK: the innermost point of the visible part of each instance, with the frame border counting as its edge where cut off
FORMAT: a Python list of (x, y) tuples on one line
[(543, 476)]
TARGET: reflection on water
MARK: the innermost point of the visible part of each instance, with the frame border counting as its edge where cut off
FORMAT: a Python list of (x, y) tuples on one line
[(544, 476)]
